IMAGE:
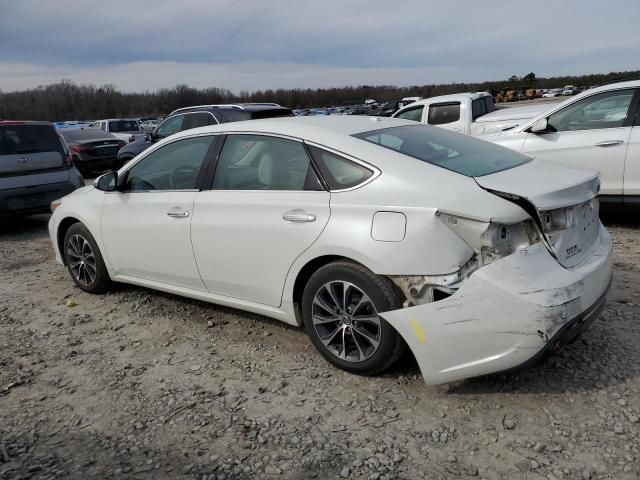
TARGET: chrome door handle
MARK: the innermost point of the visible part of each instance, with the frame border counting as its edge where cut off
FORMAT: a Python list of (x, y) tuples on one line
[(298, 216), (609, 143), (180, 214)]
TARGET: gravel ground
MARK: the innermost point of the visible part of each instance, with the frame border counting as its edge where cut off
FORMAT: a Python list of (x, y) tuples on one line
[(140, 384)]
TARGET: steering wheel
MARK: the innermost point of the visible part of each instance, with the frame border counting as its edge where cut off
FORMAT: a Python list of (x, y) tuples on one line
[(183, 177)]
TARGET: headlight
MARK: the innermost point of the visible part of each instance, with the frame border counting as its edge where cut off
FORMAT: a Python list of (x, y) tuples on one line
[(490, 240), (55, 204)]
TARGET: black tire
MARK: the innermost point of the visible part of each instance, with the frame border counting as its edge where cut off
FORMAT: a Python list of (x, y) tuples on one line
[(75, 250), (382, 295)]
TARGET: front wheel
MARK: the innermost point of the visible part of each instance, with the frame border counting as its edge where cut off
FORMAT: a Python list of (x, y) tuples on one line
[(340, 305), (84, 261)]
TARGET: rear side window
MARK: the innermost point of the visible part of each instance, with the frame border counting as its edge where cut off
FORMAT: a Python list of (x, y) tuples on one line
[(441, 113), (123, 126), (199, 119), (17, 139), (339, 172), (478, 108), (414, 114), (459, 153), (491, 106)]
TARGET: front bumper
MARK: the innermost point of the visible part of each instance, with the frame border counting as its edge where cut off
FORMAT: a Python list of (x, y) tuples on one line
[(507, 313)]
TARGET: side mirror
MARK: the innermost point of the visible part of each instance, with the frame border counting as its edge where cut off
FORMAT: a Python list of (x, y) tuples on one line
[(540, 126), (107, 182)]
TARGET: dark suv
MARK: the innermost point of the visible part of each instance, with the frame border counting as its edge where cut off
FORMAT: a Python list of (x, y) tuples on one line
[(199, 116), (35, 167)]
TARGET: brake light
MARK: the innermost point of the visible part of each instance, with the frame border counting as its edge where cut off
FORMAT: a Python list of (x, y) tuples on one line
[(68, 159), (81, 149), (132, 138)]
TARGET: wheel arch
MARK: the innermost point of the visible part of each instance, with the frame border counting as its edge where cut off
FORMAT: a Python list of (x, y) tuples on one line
[(63, 226), (305, 273)]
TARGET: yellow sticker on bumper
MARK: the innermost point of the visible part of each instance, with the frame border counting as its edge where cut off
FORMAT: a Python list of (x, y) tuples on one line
[(417, 329)]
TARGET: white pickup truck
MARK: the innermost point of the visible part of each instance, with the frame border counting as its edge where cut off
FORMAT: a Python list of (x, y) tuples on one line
[(122, 128), (469, 113)]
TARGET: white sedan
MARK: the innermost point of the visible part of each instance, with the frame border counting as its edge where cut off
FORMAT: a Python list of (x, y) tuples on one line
[(374, 234), (598, 129)]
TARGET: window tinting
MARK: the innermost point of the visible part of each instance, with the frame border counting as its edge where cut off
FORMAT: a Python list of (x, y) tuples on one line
[(259, 162), (453, 151), (490, 104), (124, 126), (441, 113), (338, 172), (604, 110), (478, 108), (414, 114), (198, 119), (16, 139), (76, 135), (172, 167)]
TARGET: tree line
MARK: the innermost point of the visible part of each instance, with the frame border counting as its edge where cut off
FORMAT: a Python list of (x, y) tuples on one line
[(67, 100)]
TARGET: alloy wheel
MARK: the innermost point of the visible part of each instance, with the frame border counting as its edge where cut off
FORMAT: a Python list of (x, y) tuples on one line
[(346, 321), (81, 259)]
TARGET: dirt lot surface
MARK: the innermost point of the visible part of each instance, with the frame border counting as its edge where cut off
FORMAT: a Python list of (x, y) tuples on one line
[(139, 384)]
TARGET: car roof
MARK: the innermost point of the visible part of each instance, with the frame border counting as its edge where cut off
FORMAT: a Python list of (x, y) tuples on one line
[(450, 97), (310, 128), (247, 107), (24, 122)]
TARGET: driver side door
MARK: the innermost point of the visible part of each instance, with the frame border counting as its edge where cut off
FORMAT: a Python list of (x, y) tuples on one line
[(145, 225)]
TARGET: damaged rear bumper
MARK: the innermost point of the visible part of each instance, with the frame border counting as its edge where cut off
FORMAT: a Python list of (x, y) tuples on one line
[(506, 314)]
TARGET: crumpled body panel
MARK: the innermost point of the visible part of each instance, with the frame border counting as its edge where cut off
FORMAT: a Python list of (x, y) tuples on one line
[(504, 314)]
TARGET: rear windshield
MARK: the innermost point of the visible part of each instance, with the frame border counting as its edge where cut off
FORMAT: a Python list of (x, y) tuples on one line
[(77, 135), (16, 139), (453, 151), (124, 126)]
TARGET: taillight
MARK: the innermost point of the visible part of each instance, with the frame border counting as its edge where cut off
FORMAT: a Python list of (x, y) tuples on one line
[(68, 160), (82, 149), (132, 138)]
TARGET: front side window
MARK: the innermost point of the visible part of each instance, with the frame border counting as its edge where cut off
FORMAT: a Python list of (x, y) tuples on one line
[(459, 153), (169, 127), (258, 162), (442, 113), (172, 167), (604, 110), (414, 114), (338, 172)]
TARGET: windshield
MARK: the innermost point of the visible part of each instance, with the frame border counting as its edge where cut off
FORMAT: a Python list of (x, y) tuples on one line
[(453, 151), (124, 126)]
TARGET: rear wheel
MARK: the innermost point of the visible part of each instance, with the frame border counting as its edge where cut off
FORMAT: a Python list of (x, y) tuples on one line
[(84, 261), (340, 307)]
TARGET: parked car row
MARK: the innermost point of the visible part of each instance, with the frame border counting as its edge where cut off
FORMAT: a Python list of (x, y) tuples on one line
[(598, 129), (518, 234)]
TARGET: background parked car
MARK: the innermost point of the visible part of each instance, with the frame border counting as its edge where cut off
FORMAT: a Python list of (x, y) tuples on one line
[(35, 167), (389, 108), (199, 116), (149, 125), (122, 128), (598, 129), (93, 151)]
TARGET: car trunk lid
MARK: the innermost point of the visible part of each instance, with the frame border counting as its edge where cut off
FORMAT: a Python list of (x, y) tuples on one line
[(561, 200)]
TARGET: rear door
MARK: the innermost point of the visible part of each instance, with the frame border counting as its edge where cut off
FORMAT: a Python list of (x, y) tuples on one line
[(265, 207), (592, 133), (29, 148), (632, 162)]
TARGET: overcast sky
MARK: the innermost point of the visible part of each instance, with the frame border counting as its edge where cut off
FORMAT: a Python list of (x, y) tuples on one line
[(257, 44)]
